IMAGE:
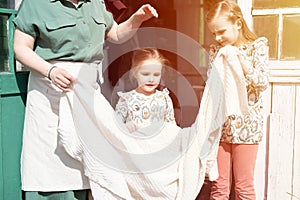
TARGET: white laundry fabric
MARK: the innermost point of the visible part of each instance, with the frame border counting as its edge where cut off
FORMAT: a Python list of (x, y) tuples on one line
[(224, 94), (91, 133)]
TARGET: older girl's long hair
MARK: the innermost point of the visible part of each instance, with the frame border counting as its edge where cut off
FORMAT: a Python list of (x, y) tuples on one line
[(234, 13)]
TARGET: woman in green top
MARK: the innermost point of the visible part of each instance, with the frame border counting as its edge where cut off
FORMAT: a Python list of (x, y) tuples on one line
[(50, 32)]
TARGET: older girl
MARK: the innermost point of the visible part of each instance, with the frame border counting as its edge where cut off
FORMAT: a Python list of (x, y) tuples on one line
[(241, 133)]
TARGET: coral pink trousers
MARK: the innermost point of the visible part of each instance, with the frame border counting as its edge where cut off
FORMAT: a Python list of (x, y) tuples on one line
[(237, 161)]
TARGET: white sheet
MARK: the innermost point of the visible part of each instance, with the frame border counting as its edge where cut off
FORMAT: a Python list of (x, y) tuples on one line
[(90, 133)]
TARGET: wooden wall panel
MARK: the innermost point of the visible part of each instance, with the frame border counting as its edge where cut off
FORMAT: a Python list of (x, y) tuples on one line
[(281, 142), (261, 162), (296, 164)]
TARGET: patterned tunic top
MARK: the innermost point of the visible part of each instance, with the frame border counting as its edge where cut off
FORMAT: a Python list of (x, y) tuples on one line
[(137, 107), (248, 129), (157, 107)]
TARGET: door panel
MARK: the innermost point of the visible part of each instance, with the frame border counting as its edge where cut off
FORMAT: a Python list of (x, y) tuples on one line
[(12, 106)]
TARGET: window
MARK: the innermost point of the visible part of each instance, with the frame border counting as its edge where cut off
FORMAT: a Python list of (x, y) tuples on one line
[(3, 44), (279, 21), (262, 4), (5, 35)]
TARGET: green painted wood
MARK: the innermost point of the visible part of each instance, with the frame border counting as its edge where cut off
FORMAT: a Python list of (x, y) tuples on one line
[(1, 158), (13, 83), (7, 11), (12, 115), (12, 107)]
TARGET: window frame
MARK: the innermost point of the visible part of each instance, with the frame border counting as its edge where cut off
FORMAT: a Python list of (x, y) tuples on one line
[(281, 71)]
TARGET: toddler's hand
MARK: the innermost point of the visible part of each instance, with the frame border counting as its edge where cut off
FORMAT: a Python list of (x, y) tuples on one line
[(131, 126)]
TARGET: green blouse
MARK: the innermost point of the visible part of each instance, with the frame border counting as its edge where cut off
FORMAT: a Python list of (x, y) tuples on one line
[(64, 31)]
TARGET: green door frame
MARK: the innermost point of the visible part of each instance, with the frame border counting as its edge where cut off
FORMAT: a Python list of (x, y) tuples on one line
[(13, 88)]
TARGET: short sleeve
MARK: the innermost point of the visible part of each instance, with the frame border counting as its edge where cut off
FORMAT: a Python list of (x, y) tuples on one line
[(169, 113), (108, 17), (26, 18), (258, 76), (122, 107)]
